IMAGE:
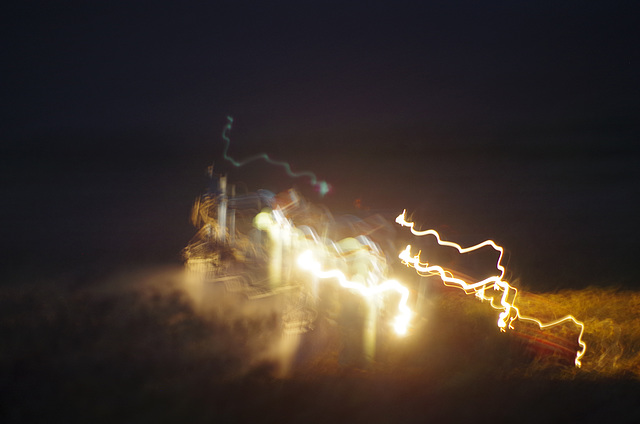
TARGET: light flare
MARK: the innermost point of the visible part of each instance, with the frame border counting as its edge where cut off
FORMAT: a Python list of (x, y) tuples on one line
[(282, 231), (510, 311), (307, 261)]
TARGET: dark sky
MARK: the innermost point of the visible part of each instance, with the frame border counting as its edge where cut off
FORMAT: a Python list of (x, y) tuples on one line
[(336, 86), (497, 67)]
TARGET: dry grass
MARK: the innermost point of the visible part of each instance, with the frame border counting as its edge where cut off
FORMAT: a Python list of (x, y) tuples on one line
[(612, 327)]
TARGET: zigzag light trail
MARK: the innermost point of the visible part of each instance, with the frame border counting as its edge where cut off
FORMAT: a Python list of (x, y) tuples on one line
[(322, 186), (510, 311)]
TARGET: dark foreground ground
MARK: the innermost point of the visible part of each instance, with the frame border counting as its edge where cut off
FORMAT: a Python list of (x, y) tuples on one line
[(132, 348)]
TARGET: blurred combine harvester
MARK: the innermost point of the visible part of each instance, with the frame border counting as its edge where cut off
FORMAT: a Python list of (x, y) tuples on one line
[(248, 247)]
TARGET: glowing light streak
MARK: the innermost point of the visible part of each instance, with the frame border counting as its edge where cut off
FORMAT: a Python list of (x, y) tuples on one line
[(307, 261), (281, 228), (510, 311), (321, 186)]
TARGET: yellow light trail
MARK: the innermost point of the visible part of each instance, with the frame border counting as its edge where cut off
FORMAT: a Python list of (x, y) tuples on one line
[(510, 311), (307, 261)]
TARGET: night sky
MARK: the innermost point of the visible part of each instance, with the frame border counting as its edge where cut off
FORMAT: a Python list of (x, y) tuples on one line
[(516, 121)]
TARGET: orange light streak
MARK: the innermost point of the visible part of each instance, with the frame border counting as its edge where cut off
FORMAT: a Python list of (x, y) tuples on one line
[(510, 311)]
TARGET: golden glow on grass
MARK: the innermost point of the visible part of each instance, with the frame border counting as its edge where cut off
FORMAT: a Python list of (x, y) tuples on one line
[(510, 311)]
